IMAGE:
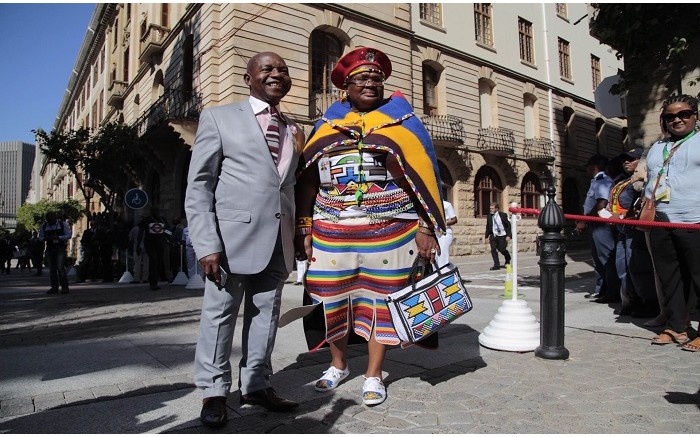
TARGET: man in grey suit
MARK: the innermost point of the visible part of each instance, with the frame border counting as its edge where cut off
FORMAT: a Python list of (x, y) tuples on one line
[(240, 209)]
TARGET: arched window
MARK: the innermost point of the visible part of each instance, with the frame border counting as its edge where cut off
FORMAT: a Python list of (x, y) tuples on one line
[(430, 92), (486, 103), (325, 51), (530, 192), (487, 190), (447, 182)]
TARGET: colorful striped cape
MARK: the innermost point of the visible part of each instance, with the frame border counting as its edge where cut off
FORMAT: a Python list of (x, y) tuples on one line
[(393, 127)]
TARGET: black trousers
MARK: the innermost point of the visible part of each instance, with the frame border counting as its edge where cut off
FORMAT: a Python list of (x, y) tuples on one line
[(499, 244), (676, 254)]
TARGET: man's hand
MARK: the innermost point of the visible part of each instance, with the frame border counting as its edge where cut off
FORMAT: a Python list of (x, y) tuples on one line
[(507, 238), (210, 267), (581, 227)]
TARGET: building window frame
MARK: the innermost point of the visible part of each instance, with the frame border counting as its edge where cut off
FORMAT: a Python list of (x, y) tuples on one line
[(525, 41), (430, 90), (595, 71), (488, 189), (562, 11), (564, 59), (430, 13), (531, 195), (325, 50), (483, 25)]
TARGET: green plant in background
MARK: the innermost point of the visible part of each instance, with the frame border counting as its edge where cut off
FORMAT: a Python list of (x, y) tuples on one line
[(31, 215)]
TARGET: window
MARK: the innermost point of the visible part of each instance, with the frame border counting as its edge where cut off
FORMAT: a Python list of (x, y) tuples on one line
[(482, 23), (447, 182), (431, 13), (569, 127), (125, 72), (485, 103), (325, 51), (430, 81), (531, 111), (94, 74), (530, 192), (164, 15), (116, 33), (187, 64), (595, 71), (102, 60), (102, 103), (487, 190), (564, 59), (525, 39), (128, 12), (94, 115), (561, 10)]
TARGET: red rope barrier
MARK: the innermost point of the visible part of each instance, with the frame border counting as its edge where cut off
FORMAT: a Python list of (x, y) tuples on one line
[(631, 222)]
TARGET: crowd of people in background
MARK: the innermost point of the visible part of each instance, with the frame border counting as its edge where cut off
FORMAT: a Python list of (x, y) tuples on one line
[(653, 271)]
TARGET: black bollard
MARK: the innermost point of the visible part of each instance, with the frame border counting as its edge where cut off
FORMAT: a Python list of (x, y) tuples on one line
[(552, 251)]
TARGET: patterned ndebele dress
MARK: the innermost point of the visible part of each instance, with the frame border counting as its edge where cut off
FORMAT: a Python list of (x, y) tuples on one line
[(379, 167)]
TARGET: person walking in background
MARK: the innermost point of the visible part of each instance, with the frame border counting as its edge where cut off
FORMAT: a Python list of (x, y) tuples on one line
[(153, 235), (7, 249), (240, 210), (55, 233), (607, 287), (359, 220), (445, 238), (36, 252), (105, 248), (498, 235), (139, 254), (673, 172)]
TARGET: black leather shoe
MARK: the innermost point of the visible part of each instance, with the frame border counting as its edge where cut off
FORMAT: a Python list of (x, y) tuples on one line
[(495, 268), (214, 413), (268, 399)]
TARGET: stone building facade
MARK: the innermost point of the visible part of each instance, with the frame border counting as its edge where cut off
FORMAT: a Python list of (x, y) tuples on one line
[(506, 90)]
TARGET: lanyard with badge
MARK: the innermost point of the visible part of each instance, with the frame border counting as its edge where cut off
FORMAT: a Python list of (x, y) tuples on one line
[(662, 190)]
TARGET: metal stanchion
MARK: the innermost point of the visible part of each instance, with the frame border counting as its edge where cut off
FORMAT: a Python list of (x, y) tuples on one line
[(552, 251), (127, 277), (181, 277)]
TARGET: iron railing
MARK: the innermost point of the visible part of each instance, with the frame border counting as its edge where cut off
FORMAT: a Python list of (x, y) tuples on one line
[(444, 127), (496, 140), (175, 105), (538, 149), (320, 100)]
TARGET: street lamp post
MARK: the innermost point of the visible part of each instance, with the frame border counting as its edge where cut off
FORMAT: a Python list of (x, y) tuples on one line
[(552, 251)]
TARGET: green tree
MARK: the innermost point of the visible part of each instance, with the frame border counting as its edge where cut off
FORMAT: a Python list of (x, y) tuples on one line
[(31, 215), (649, 35), (111, 158)]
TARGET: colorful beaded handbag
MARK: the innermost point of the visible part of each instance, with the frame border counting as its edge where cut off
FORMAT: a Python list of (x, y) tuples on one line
[(424, 307)]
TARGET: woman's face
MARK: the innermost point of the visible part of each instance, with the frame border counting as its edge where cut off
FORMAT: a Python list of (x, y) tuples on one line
[(630, 165), (679, 119), (365, 90)]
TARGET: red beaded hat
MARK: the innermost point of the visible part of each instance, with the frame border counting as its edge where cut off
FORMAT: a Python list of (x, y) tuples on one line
[(362, 56)]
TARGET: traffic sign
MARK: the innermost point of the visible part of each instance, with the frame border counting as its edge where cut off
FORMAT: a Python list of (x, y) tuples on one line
[(136, 198)]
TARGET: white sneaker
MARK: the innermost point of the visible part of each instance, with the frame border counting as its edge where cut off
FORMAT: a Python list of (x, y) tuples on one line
[(373, 391), (331, 378)]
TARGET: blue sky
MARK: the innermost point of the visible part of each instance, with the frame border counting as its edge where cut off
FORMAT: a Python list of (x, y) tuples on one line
[(39, 44)]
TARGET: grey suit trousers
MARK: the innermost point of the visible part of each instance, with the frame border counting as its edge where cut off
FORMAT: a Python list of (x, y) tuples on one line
[(262, 293)]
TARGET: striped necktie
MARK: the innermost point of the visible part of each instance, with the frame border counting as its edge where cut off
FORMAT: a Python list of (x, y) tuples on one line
[(273, 134)]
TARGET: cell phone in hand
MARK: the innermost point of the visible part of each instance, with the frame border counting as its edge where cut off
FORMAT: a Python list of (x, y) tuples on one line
[(224, 277)]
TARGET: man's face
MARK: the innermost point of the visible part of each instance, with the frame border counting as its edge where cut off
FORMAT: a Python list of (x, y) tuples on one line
[(492, 209), (268, 78)]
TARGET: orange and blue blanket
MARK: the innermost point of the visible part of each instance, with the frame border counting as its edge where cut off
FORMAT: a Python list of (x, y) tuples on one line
[(394, 128)]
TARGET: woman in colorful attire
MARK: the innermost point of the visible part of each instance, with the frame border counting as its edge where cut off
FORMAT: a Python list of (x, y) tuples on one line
[(368, 203), (673, 166)]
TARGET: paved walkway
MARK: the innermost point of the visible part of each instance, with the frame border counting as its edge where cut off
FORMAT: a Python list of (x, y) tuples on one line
[(117, 358)]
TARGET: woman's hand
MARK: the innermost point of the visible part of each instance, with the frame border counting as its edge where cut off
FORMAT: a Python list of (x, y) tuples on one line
[(428, 246), (302, 247)]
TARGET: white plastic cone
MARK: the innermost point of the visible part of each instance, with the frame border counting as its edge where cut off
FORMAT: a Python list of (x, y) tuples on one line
[(181, 277), (127, 277), (513, 328), (195, 281)]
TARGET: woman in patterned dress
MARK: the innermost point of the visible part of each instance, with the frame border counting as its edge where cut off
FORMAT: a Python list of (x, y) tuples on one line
[(368, 203)]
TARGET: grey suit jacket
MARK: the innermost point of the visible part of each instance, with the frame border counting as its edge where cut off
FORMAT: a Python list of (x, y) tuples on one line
[(236, 201)]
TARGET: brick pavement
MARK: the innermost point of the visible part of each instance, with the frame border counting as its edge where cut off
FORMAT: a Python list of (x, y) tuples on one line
[(119, 360)]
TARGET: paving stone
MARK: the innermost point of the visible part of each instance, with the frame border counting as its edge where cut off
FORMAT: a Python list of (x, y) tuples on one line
[(78, 395), (106, 391), (130, 386), (48, 401), (15, 407)]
